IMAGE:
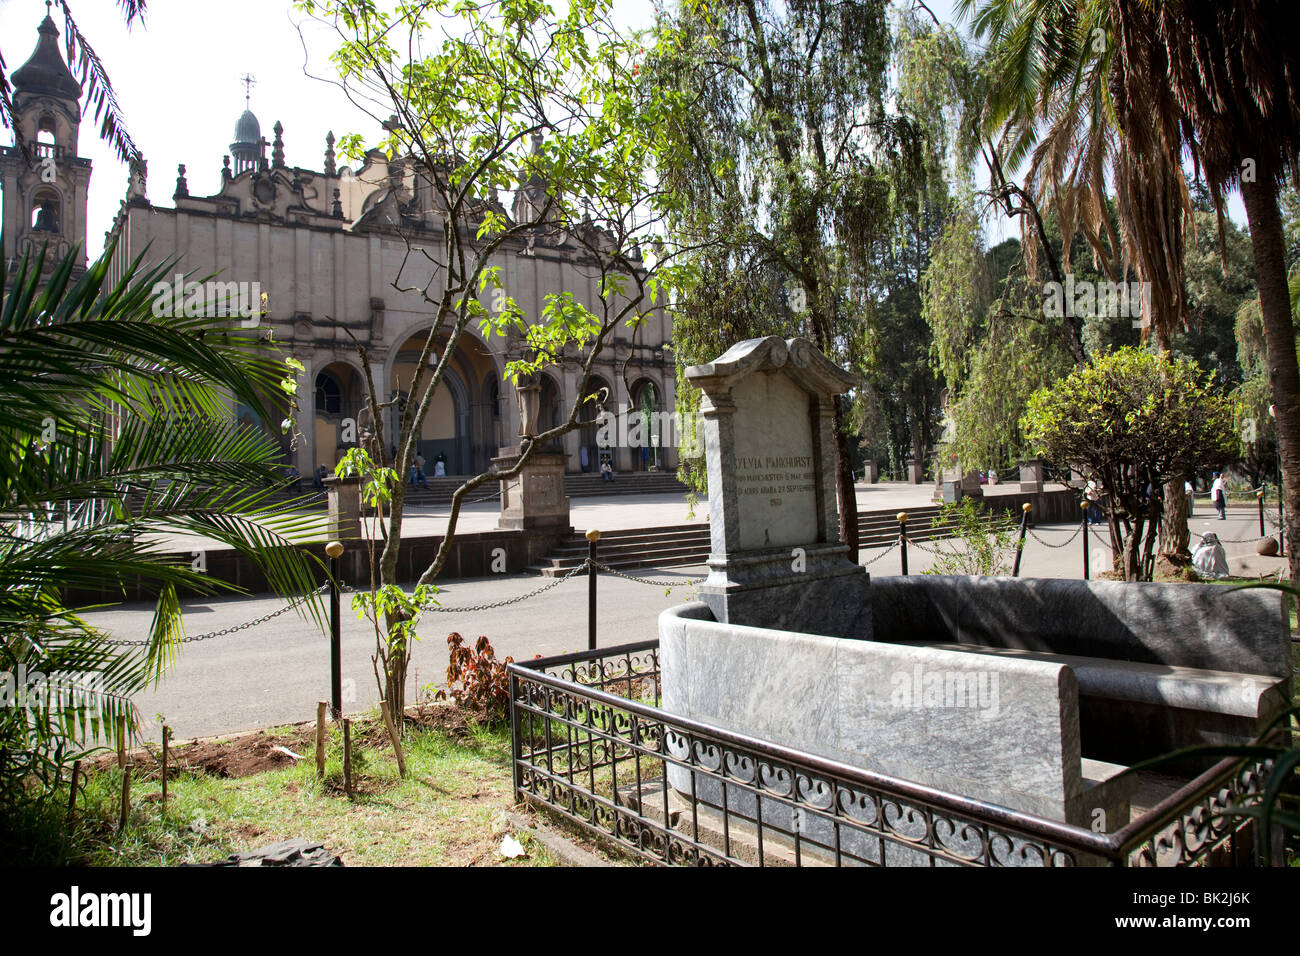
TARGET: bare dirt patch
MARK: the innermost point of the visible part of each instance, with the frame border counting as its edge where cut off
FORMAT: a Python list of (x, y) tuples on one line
[(242, 755)]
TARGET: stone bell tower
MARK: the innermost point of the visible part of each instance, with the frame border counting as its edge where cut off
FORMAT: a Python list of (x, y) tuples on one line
[(45, 197)]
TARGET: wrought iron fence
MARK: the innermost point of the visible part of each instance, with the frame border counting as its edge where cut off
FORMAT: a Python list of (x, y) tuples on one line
[(592, 744)]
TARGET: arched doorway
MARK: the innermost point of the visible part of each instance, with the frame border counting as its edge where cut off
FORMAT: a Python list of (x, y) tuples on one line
[(589, 450), (458, 427), (338, 404), (644, 431)]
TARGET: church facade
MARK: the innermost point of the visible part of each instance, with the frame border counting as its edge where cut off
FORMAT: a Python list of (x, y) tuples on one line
[(320, 248)]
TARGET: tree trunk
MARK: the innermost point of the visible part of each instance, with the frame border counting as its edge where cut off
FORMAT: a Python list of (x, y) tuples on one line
[(1174, 533), (1133, 552), (1267, 244)]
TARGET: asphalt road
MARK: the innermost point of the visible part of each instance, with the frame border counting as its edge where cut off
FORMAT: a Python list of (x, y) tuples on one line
[(275, 672)]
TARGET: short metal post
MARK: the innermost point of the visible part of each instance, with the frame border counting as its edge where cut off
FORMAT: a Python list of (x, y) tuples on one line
[(1281, 518), (166, 741), (1260, 495), (335, 549), (1020, 545), (902, 538), (1084, 506), (592, 537)]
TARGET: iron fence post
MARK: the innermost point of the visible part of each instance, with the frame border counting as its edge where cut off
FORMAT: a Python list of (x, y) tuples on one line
[(516, 743), (902, 538), (592, 537), (1084, 506), (1020, 545), (1260, 495), (334, 549)]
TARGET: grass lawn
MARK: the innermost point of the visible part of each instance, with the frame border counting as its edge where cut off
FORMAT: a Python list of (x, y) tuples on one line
[(449, 811)]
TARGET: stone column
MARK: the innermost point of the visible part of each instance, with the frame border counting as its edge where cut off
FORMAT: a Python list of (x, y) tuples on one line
[(307, 419), (533, 499), (344, 508), (915, 471), (1032, 473)]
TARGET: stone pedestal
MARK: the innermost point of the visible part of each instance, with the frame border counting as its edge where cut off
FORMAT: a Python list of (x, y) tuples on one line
[(871, 472), (344, 508), (1032, 473), (534, 498), (915, 471), (776, 558)]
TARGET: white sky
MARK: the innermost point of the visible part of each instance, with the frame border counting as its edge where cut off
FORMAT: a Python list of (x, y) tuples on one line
[(177, 80)]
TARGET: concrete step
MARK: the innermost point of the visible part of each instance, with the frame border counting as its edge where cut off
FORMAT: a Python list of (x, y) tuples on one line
[(736, 837)]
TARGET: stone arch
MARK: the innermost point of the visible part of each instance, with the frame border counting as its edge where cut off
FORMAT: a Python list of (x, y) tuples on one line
[(648, 441), (459, 423), (45, 211), (47, 130), (589, 435), (337, 399)]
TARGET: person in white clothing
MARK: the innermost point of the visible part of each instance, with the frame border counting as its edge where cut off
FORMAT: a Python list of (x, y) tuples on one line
[(1218, 496)]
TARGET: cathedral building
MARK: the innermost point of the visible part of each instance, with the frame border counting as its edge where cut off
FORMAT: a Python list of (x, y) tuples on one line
[(320, 249)]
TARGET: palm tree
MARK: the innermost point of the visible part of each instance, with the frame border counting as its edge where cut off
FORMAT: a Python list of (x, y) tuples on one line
[(1234, 69), (117, 429), (1071, 91)]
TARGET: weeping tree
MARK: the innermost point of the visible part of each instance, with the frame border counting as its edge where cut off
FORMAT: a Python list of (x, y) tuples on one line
[(785, 165), (1135, 419)]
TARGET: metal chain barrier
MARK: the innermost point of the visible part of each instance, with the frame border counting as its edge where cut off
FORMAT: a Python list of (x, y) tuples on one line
[(508, 601), (1223, 540), (1048, 544), (659, 584), (194, 638), (888, 548)]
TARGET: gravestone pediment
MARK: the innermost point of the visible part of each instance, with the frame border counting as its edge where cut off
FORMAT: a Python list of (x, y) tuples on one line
[(776, 557)]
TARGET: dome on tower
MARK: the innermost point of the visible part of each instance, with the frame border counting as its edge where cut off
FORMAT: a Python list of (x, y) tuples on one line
[(248, 129), (45, 71)]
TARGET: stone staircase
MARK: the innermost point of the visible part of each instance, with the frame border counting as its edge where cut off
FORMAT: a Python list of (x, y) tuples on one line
[(688, 544), (667, 547), (440, 490)]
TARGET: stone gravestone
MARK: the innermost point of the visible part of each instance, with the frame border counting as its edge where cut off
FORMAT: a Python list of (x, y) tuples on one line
[(776, 558)]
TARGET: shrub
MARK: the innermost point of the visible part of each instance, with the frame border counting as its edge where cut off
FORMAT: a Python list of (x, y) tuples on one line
[(476, 680), (1136, 420), (986, 542)]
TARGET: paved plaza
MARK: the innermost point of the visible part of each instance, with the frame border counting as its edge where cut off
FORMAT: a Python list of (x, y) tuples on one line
[(275, 672)]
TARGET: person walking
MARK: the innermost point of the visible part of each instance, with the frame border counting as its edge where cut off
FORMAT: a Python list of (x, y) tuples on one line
[(1092, 494), (1218, 496)]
